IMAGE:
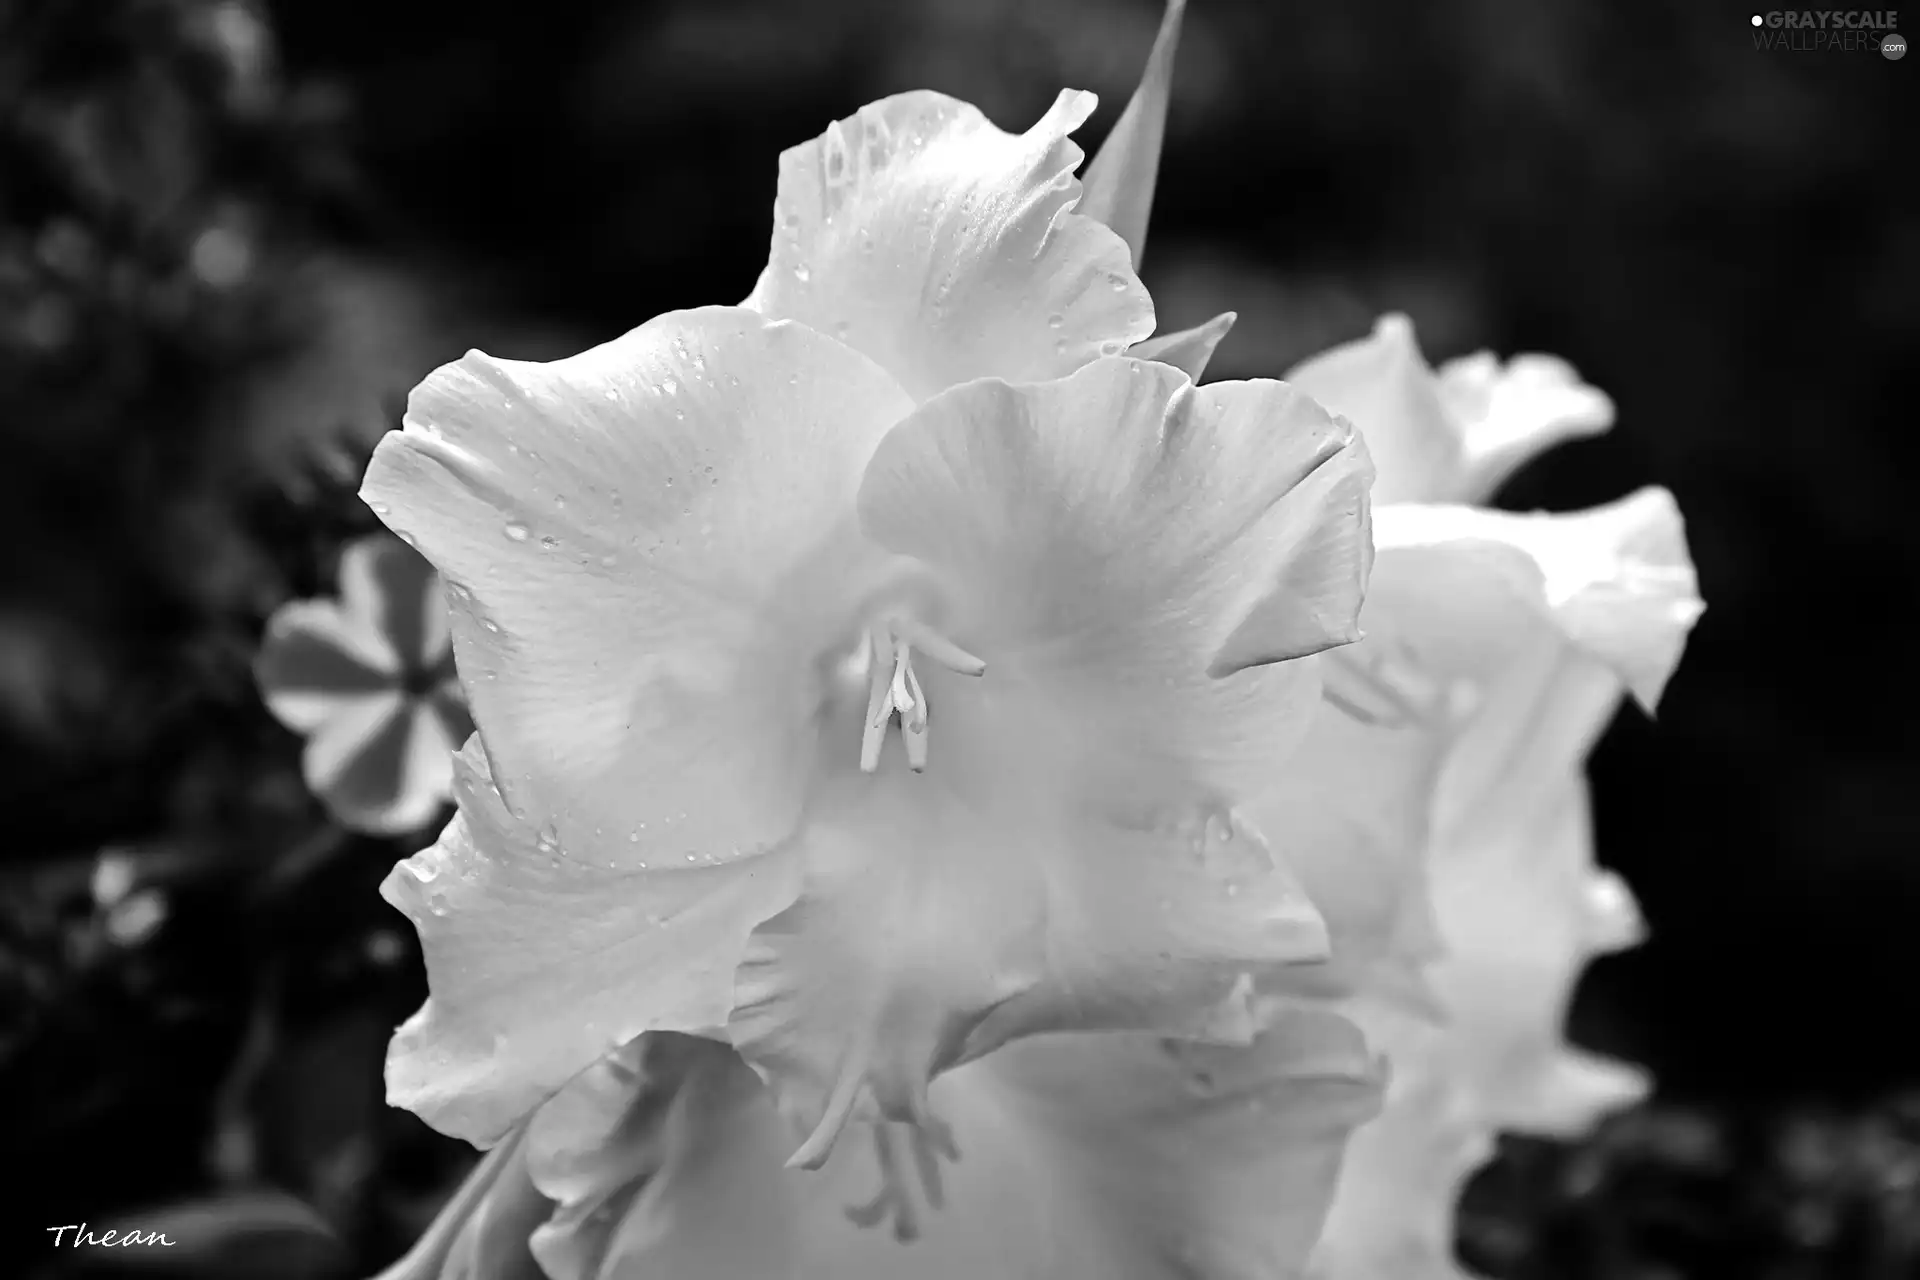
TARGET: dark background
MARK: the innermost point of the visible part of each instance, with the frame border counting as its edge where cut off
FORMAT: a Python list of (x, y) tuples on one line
[(233, 235)]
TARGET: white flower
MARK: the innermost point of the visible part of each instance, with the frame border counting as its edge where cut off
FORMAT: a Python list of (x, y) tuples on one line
[(1451, 757)]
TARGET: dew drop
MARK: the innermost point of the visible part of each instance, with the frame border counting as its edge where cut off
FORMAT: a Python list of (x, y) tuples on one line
[(1117, 283), (611, 394), (424, 871), (1112, 348), (669, 387), (437, 903), (517, 532), (1056, 320), (549, 542), (802, 272)]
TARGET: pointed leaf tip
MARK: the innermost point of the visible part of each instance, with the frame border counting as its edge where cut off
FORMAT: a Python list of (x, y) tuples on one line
[(1118, 186)]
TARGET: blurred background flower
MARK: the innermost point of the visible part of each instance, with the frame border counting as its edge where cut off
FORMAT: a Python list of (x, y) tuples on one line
[(232, 234), (368, 680)]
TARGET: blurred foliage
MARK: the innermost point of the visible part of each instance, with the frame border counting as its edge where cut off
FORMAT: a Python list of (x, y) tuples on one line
[(233, 234)]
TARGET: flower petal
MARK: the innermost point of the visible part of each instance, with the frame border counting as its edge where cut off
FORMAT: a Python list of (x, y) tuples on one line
[(353, 761), (492, 1242), (1510, 905), (1456, 435), (537, 963), (1393, 1212), (1616, 579), (1384, 386), (1120, 179), (1350, 811), (935, 926), (646, 546), (1189, 350), (426, 770), (1140, 554), (382, 778), (392, 587), (593, 1145), (946, 249), (314, 657), (1108, 544), (502, 1168), (1508, 414), (1118, 1156)]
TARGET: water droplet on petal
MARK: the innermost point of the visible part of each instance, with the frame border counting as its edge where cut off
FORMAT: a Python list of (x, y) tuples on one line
[(1117, 283), (549, 542), (517, 532), (669, 387), (802, 272), (1056, 320), (437, 902), (1112, 348)]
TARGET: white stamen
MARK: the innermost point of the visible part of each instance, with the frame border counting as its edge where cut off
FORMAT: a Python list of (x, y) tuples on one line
[(938, 647), (894, 686), (902, 673)]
